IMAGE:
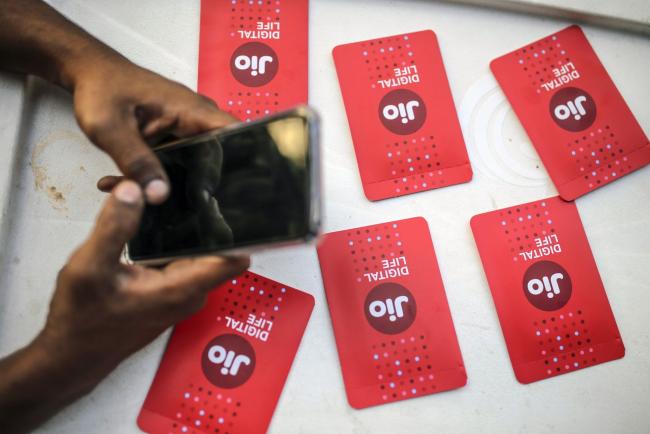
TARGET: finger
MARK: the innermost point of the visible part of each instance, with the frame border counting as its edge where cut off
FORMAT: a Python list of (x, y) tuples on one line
[(188, 277), (117, 223), (162, 124), (134, 158), (204, 117), (108, 183)]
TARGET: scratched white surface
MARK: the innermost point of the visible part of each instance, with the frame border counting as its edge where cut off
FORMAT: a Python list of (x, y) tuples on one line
[(44, 224)]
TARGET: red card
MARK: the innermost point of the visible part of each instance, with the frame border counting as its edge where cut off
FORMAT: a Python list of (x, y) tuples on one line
[(578, 121), (224, 368), (393, 329), (546, 288), (253, 55), (401, 113)]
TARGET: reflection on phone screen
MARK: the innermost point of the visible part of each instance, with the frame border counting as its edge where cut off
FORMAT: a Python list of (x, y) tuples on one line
[(235, 189)]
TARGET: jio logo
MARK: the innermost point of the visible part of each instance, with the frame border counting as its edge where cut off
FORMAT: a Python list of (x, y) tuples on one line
[(254, 64), (573, 109), (402, 111), (547, 285), (228, 361), (390, 308)]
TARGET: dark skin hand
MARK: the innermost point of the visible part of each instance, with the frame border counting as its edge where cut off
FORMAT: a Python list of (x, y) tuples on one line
[(119, 105), (102, 311)]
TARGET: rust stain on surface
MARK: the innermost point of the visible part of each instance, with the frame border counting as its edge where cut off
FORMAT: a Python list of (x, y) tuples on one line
[(55, 195), (42, 181)]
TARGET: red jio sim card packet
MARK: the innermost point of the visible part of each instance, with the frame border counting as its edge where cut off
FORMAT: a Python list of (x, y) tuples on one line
[(546, 288), (224, 367), (393, 329), (577, 120), (402, 116), (253, 55)]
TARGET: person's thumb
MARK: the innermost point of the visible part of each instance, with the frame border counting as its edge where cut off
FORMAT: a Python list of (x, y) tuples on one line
[(117, 223), (124, 143)]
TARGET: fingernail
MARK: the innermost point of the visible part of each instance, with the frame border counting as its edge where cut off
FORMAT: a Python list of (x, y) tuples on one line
[(128, 192), (156, 190)]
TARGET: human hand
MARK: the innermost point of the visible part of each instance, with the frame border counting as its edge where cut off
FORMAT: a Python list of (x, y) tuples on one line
[(103, 310), (121, 107)]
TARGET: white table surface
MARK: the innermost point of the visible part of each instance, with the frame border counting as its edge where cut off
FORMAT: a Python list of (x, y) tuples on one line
[(41, 229)]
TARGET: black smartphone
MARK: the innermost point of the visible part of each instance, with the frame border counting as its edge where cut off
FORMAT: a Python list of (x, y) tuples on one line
[(237, 189)]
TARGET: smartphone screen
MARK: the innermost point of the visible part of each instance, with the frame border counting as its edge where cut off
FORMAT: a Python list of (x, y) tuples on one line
[(233, 189)]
